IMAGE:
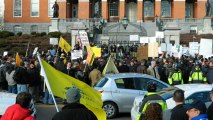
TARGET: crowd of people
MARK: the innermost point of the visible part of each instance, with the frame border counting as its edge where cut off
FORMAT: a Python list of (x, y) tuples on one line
[(26, 77)]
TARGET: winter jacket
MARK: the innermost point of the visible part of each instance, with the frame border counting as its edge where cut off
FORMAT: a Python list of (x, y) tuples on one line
[(209, 75), (16, 112), (153, 72), (34, 77), (75, 111), (9, 78), (21, 75), (200, 117), (95, 76)]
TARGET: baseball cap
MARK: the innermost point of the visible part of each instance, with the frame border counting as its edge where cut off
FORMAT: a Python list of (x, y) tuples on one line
[(197, 104)]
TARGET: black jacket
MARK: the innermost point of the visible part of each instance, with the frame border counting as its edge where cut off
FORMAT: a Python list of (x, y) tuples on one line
[(209, 75), (21, 75), (210, 111), (74, 111), (179, 113), (34, 77)]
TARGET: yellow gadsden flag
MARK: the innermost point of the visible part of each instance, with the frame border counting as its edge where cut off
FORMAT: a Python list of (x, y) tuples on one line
[(110, 67), (58, 83), (64, 45), (18, 60)]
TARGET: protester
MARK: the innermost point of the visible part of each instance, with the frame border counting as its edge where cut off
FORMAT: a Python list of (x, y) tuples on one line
[(12, 85), (209, 74), (179, 112), (210, 108), (95, 76), (74, 110), (153, 112), (142, 68), (196, 110), (152, 70), (20, 110), (176, 76)]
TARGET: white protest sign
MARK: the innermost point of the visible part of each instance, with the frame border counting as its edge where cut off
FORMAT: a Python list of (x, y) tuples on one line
[(134, 38), (168, 47), (144, 40), (205, 47), (75, 54), (5, 53), (84, 38), (152, 39), (163, 46), (35, 50), (53, 41), (153, 49), (193, 48), (159, 34)]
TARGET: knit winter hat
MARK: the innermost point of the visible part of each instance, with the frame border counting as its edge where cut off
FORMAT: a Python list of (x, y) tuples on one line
[(73, 95)]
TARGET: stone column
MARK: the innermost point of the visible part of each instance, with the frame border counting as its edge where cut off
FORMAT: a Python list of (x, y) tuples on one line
[(121, 9), (54, 27), (140, 10), (83, 9), (178, 9), (104, 9)]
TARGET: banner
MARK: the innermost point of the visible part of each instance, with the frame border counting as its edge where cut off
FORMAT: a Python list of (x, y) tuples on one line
[(64, 45), (205, 47), (153, 49), (75, 54), (193, 48), (59, 82), (84, 38), (110, 67)]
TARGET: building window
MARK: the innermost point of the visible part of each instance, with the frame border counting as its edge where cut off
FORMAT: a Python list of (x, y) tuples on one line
[(34, 28), (189, 10), (17, 8), (35, 8), (113, 8), (148, 8), (17, 29), (165, 8), (50, 9), (193, 29), (211, 7)]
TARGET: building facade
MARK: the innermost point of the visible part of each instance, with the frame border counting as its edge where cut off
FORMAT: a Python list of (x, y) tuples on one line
[(35, 15)]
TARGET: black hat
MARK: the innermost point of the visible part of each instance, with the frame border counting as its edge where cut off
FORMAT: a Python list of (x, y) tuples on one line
[(197, 104)]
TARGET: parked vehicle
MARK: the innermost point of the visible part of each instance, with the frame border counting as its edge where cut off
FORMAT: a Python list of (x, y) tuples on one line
[(191, 92), (119, 90)]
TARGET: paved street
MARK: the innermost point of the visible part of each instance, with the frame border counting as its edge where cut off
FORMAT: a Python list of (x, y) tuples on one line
[(46, 112)]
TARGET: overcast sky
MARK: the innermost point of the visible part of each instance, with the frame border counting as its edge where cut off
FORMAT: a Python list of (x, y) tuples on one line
[(1, 7)]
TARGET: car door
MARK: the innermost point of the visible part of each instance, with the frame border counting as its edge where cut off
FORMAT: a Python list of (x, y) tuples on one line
[(125, 93), (202, 95)]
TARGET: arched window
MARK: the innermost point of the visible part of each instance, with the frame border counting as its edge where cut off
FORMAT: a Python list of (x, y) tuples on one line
[(165, 8), (17, 29), (34, 28), (149, 8)]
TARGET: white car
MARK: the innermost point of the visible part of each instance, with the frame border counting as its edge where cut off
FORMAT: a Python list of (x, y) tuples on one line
[(119, 90), (191, 92)]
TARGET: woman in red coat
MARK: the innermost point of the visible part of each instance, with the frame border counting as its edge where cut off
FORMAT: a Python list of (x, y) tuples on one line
[(19, 111)]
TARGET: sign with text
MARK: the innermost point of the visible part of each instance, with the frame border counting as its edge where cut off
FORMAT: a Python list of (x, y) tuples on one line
[(193, 48), (75, 54), (153, 49), (142, 53), (84, 38)]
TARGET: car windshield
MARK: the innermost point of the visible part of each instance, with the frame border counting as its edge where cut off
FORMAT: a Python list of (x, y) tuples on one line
[(167, 93), (102, 82)]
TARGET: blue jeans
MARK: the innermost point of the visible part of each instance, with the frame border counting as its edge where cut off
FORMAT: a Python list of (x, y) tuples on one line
[(22, 88), (47, 98), (12, 89)]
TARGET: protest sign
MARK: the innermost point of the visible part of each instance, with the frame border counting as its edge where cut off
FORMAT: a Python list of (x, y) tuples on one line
[(153, 49), (53, 41), (75, 54), (205, 47)]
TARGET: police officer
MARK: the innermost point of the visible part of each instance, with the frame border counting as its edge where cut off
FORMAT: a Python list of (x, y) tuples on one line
[(151, 97), (175, 76), (196, 75)]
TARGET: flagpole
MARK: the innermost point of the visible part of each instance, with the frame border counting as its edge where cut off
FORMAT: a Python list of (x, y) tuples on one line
[(46, 81)]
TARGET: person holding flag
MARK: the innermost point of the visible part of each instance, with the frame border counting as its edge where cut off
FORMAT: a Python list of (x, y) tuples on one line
[(63, 44)]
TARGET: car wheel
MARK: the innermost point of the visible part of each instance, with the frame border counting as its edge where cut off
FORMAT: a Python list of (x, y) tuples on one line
[(111, 109)]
